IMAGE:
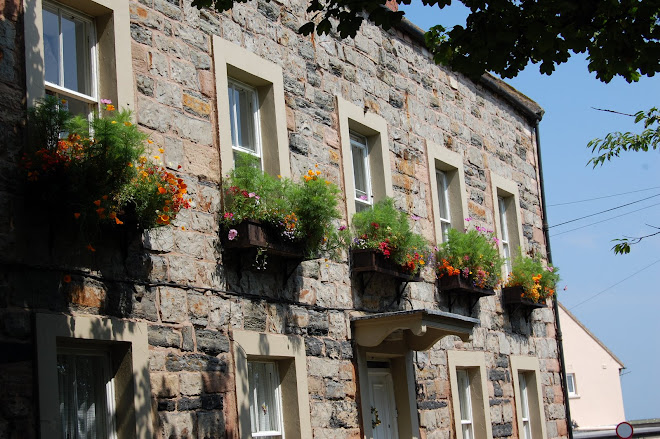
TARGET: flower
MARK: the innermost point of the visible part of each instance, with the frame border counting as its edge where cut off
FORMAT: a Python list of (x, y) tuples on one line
[(415, 217), (97, 202), (341, 228), (128, 124), (251, 195), (161, 150), (110, 107), (363, 197), (76, 215), (90, 248), (66, 278), (233, 233), (106, 101), (162, 190)]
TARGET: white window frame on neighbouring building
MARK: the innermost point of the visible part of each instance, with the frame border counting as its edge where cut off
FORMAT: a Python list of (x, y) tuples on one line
[(244, 119), (361, 174), (448, 192), (570, 385), (110, 42)]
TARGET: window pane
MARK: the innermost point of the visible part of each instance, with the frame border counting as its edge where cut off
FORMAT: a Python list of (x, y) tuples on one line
[(76, 57), (570, 383), (443, 195), (524, 403), (245, 112), (361, 189), (504, 224), (464, 394), (264, 404), (51, 46)]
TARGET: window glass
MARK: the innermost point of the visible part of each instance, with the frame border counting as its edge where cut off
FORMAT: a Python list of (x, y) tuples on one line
[(524, 406), (443, 201), (265, 414), (504, 225), (244, 118), (570, 383), (83, 399), (360, 153), (464, 397), (51, 45)]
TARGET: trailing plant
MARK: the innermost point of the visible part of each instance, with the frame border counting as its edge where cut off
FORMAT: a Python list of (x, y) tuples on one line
[(538, 281), (301, 212), (97, 172), (387, 230), (472, 254)]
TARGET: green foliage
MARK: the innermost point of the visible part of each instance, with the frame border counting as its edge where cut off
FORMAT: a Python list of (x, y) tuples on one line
[(301, 212), (386, 229), (538, 281), (471, 254), (93, 172), (612, 145), (621, 38)]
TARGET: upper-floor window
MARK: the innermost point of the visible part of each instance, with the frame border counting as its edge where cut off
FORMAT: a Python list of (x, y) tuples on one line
[(70, 57), (504, 225), (361, 177), (570, 384), (265, 399), (448, 191), (244, 119)]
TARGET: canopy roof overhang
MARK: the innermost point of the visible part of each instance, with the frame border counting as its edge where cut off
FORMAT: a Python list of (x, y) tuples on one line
[(421, 328)]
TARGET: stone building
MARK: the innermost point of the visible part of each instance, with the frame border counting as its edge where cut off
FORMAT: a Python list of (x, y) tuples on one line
[(173, 330)]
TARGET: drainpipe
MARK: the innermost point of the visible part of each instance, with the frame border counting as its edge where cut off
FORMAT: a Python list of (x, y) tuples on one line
[(560, 344)]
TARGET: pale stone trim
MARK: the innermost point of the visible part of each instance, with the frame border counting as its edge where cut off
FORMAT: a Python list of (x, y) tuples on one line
[(530, 367), (374, 128), (51, 327), (400, 359), (233, 61), (289, 352), (443, 159), (503, 187), (475, 363), (113, 36)]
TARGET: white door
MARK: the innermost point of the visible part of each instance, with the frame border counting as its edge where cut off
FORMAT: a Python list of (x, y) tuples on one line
[(383, 408)]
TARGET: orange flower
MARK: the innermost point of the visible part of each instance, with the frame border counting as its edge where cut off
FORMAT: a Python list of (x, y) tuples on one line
[(157, 157), (110, 107), (76, 215), (112, 215), (90, 248), (183, 227), (161, 150), (66, 279), (161, 190), (150, 141), (105, 197), (128, 124), (97, 202), (118, 221)]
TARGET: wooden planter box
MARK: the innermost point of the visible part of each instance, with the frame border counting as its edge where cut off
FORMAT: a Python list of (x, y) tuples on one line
[(512, 296), (252, 234), (370, 260), (458, 286)]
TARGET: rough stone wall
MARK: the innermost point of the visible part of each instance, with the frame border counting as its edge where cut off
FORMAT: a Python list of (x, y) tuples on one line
[(175, 278)]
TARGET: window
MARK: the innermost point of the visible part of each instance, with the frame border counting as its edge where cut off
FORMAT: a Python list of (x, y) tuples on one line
[(92, 375), (252, 114), (63, 48), (70, 57), (507, 218), (366, 156), (86, 393), (244, 119), (265, 400), (528, 397), (570, 383), (447, 190), (467, 378), (361, 178), (271, 385)]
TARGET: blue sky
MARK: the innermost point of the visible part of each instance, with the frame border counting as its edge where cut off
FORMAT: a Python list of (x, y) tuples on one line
[(616, 297)]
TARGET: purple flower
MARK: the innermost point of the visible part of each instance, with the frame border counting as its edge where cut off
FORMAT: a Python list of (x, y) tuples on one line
[(106, 101), (415, 217), (232, 234), (468, 219), (363, 197), (551, 269), (341, 228)]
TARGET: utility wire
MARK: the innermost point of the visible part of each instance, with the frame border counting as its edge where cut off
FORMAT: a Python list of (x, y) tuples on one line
[(612, 286), (603, 211), (600, 198), (613, 111), (602, 221)]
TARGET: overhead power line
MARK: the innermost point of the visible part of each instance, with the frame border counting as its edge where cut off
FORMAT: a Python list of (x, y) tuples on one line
[(602, 221), (614, 285), (605, 196), (604, 211)]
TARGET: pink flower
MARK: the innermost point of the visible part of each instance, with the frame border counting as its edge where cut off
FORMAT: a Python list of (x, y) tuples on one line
[(232, 234), (252, 195), (468, 219), (551, 269), (342, 228), (228, 215), (106, 101), (415, 217), (363, 197)]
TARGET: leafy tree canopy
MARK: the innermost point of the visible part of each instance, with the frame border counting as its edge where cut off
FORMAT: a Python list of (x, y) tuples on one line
[(620, 37)]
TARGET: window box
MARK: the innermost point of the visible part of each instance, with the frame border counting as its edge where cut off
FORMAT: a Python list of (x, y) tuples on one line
[(371, 260), (253, 234), (513, 296), (459, 286)]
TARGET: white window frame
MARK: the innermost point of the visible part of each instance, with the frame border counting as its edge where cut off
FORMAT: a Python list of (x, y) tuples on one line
[(112, 41), (443, 201), (504, 240), (570, 382), (473, 364), (449, 163), (362, 144), (277, 398), (91, 71), (54, 331), (465, 401), (109, 390), (528, 399), (234, 109), (353, 119)]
